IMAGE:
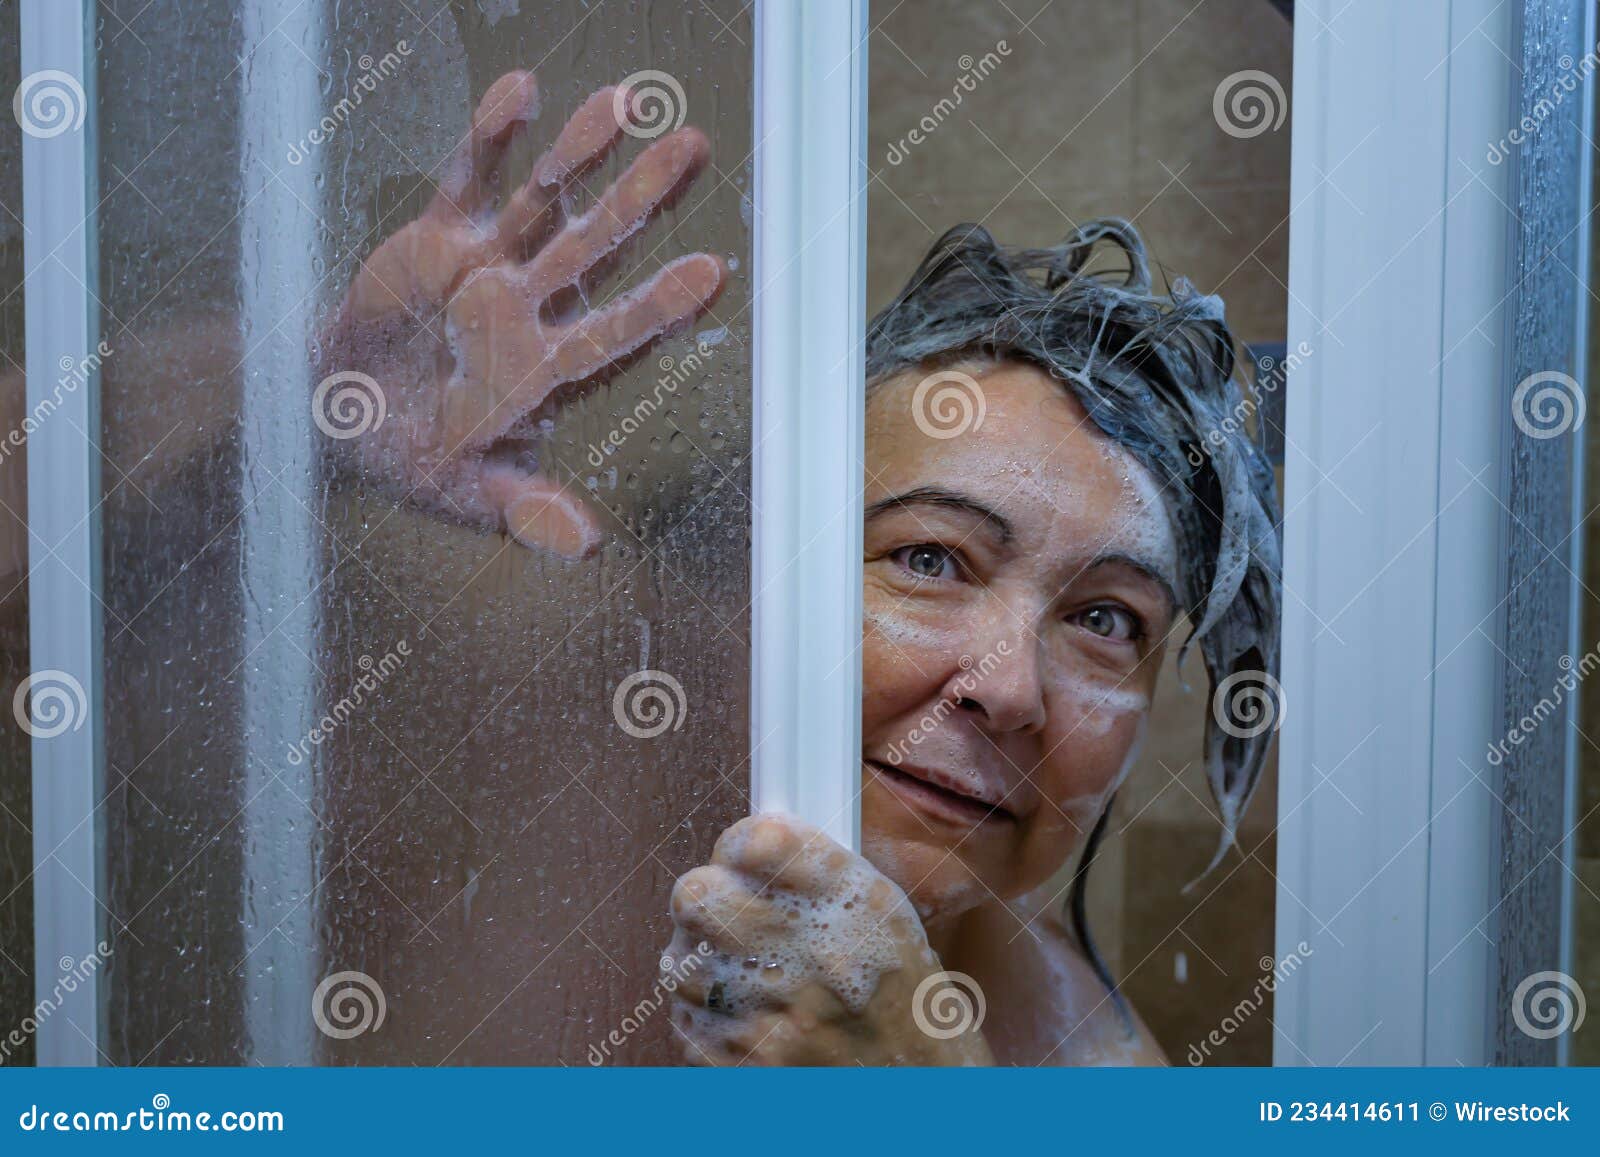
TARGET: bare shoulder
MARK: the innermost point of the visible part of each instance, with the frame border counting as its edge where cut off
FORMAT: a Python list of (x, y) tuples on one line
[(1046, 1005)]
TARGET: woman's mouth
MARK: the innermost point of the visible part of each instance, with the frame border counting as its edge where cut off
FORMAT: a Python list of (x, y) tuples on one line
[(936, 794)]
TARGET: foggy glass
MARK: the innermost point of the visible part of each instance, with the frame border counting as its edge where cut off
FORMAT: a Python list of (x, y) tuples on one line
[(16, 838), (345, 736)]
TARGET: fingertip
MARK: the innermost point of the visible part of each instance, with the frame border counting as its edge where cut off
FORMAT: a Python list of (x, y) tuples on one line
[(727, 849), (686, 152), (711, 273), (688, 893), (671, 163), (512, 99), (762, 845), (771, 845), (690, 285), (693, 143), (555, 521), (583, 140), (697, 892), (716, 278)]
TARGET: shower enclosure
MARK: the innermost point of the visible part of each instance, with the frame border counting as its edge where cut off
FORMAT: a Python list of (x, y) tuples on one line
[(303, 767)]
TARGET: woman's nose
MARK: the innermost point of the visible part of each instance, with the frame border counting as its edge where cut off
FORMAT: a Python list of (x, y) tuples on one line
[(1004, 688)]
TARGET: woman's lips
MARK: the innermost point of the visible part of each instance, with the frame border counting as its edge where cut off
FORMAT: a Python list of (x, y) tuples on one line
[(935, 793)]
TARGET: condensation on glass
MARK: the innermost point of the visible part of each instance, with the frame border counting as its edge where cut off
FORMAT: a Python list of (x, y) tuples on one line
[(16, 838), (364, 768)]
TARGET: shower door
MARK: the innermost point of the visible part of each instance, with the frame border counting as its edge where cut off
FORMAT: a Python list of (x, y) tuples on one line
[(346, 749), (360, 756), (352, 772)]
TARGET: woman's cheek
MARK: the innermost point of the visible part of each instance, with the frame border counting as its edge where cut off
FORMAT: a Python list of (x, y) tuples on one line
[(1096, 729), (897, 646), (1078, 778), (891, 616)]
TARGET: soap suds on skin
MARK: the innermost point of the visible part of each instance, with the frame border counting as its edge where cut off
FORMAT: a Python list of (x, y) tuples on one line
[(840, 936)]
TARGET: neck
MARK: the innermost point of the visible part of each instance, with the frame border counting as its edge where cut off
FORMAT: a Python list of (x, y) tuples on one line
[(947, 934)]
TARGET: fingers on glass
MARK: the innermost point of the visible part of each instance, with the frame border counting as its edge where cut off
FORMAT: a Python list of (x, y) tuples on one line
[(541, 514), (471, 175), (585, 140), (627, 206), (677, 295), (513, 362)]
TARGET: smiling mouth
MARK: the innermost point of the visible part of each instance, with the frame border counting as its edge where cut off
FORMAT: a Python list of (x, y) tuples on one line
[(916, 787)]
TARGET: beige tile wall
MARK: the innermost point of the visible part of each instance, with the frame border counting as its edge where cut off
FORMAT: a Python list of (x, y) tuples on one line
[(1106, 108)]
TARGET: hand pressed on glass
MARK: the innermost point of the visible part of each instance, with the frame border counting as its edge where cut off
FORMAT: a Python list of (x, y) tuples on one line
[(463, 316)]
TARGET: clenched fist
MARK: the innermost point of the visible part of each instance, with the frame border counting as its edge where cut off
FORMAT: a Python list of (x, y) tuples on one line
[(816, 958)]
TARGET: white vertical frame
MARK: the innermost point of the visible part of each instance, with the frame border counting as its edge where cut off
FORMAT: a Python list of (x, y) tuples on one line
[(810, 333), (59, 255), (1467, 695), (1398, 248), (280, 552)]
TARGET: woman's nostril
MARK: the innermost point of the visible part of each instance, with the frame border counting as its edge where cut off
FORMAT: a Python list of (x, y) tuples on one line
[(967, 704)]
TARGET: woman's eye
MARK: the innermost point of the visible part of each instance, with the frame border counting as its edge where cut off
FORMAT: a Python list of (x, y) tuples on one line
[(1110, 623), (926, 561)]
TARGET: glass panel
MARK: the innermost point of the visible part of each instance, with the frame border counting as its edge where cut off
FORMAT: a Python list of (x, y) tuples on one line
[(355, 727), (974, 118), (16, 839)]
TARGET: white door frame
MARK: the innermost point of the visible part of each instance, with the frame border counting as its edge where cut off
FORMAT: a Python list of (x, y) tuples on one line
[(810, 340), (60, 258)]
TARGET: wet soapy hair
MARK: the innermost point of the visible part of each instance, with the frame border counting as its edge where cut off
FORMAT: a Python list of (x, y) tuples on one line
[(1154, 371)]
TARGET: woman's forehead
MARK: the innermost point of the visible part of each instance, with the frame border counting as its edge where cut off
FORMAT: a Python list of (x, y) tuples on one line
[(1010, 424), (1024, 445)]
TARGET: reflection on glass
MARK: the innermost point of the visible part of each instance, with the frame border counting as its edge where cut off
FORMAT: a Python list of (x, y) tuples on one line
[(427, 650)]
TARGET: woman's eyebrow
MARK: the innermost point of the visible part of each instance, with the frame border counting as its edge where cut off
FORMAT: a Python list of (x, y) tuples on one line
[(1142, 566), (948, 500)]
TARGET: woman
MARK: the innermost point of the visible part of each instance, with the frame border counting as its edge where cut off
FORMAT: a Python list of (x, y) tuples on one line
[(1022, 581)]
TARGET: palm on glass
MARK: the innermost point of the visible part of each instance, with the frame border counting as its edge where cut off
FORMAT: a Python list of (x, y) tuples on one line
[(471, 316)]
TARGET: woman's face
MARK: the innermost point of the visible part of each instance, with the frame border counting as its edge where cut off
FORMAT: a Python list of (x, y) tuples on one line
[(1018, 598)]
